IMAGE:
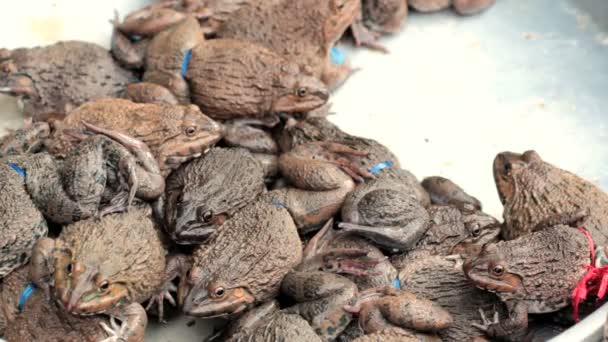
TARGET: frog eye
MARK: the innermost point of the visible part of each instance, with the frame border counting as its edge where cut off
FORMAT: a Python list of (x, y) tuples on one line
[(508, 168), (476, 231), (104, 286), (205, 215), (302, 92), (69, 268), (190, 131), (219, 292), (498, 270)]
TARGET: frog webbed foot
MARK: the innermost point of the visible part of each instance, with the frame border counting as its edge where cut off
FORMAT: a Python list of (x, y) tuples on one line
[(177, 266), (115, 332), (485, 322), (132, 327), (158, 300)]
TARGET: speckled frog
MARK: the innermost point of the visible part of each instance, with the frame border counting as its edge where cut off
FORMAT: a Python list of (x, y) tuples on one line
[(261, 244), (57, 78), (536, 194), (538, 282), (208, 191), (90, 274), (301, 31), (174, 134), (39, 318)]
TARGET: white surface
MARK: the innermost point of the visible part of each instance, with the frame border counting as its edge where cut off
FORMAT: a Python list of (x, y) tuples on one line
[(452, 93)]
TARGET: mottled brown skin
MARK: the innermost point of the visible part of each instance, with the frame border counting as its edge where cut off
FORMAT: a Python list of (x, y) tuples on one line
[(254, 139), (174, 134), (144, 92), (441, 280), (453, 231), (536, 195), (261, 244), (60, 77), (25, 140), (92, 274), (538, 282), (445, 192), (378, 17), (98, 177), (208, 191), (21, 223), (462, 7), (397, 335), (41, 318), (251, 82), (301, 31)]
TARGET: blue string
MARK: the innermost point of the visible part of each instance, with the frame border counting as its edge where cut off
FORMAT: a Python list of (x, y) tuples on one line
[(380, 166), (25, 295), (17, 168), (185, 62), (279, 204), (337, 57), (397, 283)]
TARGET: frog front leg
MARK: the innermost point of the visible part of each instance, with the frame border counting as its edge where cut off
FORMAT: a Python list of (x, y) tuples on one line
[(516, 323), (132, 328), (365, 37), (321, 299), (177, 266)]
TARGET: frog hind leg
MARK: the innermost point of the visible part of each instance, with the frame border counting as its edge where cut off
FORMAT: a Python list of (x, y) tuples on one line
[(364, 37), (134, 321)]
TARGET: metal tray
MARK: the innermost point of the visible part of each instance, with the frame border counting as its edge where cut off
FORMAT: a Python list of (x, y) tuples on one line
[(451, 94)]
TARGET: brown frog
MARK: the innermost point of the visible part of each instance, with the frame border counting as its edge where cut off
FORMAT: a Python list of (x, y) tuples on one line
[(21, 223), (397, 335), (261, 244), (60, 77), (387, 307), (512, 272), (208, 191), (267, 323), (462, 7), (453, 231), (174, 134), (378, 17), (536, 194), (445, 192), (99, 176), (90, 274), (302, 31), (41, 319), (442, 280)]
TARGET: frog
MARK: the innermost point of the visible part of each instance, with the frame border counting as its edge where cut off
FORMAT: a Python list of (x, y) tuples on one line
[(38, 318), (267, 322), (536, 194), (100, 176), (387, 307), (28, 139), (443, 191), (89, 274), (208, 191), (60, 77), (174, 133), (397, 335), (453, 231), (22, 223), (462, 7), (320, 175), (377, 18), (302, 31), (261, 243), (441, 279), (508, 269)]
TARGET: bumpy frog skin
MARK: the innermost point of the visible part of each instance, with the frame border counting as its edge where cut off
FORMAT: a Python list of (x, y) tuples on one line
[(441, 280), (445, 192), (462, 7), (174, 134), (41, 319), (60, 77), (255, 82), (397, 335), (99, 176), (21, 223), (92, 274), (536, 194), (206, 192), (538, 282), (261, 244), (302, 31)]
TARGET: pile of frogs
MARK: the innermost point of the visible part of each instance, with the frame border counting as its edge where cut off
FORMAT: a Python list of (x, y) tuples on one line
[(192, 169)]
